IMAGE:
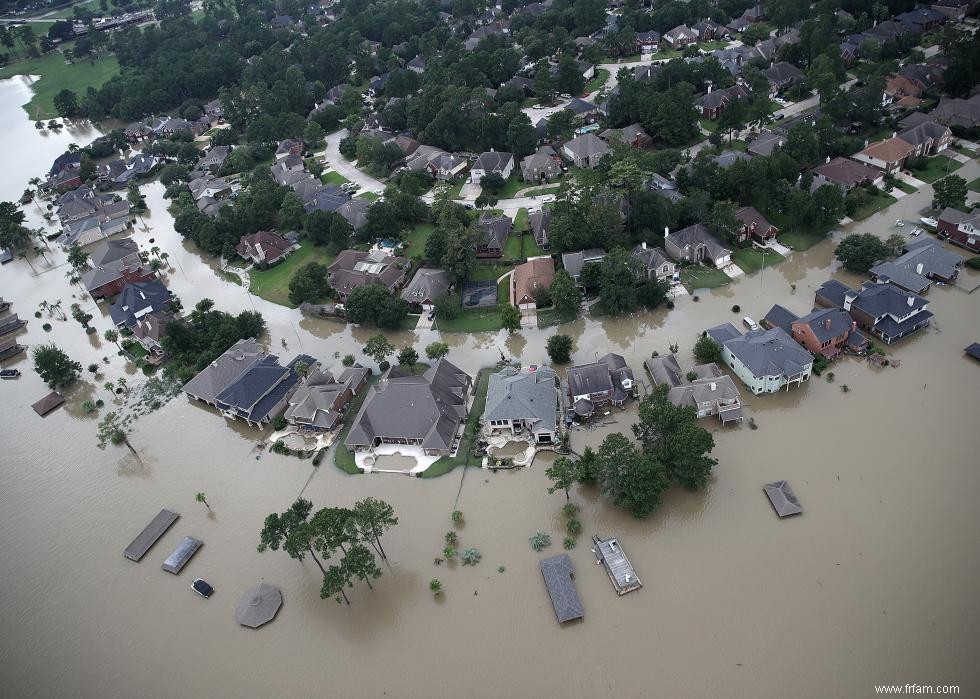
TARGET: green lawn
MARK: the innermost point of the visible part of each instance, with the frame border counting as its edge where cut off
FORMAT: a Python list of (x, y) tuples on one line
[(738, 145), (416, 238), (512, 248), (331, 177), (520, 221), (273, 284), (511, 186), (475, 320), (965, 151), (936, 168), (698, 277), (455, 187), (56, 75), (343, 458), (503, 291), (486, 272), (877, 203), (598, 81), (712, 45), (231, 277), (542, 190), (470, 432), (531, 248), (974, 186), (752, 259), (370, 196), (802, 240), (905, 187), (708, 125)]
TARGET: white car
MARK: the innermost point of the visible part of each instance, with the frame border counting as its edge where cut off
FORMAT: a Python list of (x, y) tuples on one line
[(931, 222), (899, 223)]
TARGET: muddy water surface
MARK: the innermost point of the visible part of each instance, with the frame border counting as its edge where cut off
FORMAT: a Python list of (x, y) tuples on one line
[(875, 583)]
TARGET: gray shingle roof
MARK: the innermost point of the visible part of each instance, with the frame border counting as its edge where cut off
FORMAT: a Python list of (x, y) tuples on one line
[(215, 377), (765, 352), (558, 572), (427, 284), (780, 317), (783, 498), (523, 395), (137, 300)]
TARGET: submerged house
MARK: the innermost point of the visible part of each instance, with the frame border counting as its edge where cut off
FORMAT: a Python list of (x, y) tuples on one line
[(765, 360), (525, 403), (245, 382), (920, 263), (884, 310), (424, 411), (696, 244), (711, 393), (591, 386), (320, 399)]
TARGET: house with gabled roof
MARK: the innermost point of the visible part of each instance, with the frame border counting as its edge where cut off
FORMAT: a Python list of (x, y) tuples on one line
[(765, 360), (921, 263), (782, 76), (632, 135), (425, 411), (495, 229), (585, 151), (928, 138), (681, 36), (318, 403), (696, 244), (710, 393), (491, 163), (543, 165), (884, 310), (754, 226), (960, 228), (652, 263), (828, 332), (888, 155), (425, 288), (593, 385), (354, 268), (138, 299), (264, 248), (846, 174), (114, 264), (530, 280), (538, 222), (524, 403)]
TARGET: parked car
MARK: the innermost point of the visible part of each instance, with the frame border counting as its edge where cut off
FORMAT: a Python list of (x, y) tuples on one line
[(899, 223), (9, 373), (749, 323), (432, 314)]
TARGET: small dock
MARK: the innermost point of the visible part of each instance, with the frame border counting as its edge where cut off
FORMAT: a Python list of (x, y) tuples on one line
[(11, 324), (610, 555), (9, 348), (153, 531), (182, 554)]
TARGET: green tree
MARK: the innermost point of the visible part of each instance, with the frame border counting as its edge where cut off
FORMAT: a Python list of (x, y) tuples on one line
[(559, 348), (949, 191), (510, 317), (860, 251), (66, 103), (291, 212), (379, 348), (630, 478), (203, 500), (372, 518), (309, 284), (522, 139), (407, 356), (706, 350), (564, 294), (570, 80), (722, 221), (436, 350), (111, 335), (348, 360), (328, 228), (54, 366), (895, 244), (373, 304), (459, 258), (563, 473), (671, 436)]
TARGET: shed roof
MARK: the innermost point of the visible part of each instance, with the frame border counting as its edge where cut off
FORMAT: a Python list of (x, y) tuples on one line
[(558, 573), (783, 498)]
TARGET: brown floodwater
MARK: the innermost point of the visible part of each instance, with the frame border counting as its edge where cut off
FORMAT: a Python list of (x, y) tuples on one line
[(875, 583)]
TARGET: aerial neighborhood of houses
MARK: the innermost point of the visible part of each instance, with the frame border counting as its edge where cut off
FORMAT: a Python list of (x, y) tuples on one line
[(626, 170)]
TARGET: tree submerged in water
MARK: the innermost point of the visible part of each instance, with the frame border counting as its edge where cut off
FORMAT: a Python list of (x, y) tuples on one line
[(471, 556), (540, 541), (113, 430)]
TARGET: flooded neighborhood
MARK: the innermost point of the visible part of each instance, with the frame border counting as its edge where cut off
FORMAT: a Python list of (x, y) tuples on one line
[(872, 581)]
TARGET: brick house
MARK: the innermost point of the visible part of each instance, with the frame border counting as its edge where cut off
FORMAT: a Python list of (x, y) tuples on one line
[(960, 228)]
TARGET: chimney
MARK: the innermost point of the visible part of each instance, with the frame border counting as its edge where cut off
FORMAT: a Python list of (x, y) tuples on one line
[(666, 232), (709, 88), (854, 326), (714, 386), (826, 323), (828, 159), (894, 134), (643, 245)]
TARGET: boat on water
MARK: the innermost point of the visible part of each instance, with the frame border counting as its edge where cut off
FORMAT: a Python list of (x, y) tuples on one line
[(10, 374), (201, 587)]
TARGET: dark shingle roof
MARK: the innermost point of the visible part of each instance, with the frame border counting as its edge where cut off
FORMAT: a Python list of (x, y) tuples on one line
[(558, 571)]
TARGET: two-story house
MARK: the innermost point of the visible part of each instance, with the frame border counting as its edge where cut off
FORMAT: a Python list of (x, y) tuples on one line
[(524, 403), (765, 360), (884, 310), (591, 386)]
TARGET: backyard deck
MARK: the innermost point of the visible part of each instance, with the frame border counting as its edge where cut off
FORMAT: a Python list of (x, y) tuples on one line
[(153, 531), (617, 565)]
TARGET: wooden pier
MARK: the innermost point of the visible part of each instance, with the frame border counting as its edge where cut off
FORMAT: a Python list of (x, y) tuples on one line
[(610, 555), (182, 554), (153, 531)]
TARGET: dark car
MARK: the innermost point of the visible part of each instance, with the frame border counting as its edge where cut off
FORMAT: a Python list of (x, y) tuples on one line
[(432, 314), (202, 588)]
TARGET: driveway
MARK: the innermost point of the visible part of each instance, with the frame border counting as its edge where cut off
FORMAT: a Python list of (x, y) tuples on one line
[(333, 160)]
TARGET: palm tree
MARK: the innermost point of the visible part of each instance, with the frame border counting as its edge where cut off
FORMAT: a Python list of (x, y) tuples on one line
[(155, 251), (111, 335), (56, 307), (200, 498)]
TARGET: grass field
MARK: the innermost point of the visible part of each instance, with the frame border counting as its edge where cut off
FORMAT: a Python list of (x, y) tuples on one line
[(486, 272), (448, 463), (520, 221), (974, 186), (752, 259), (370, 196), (542, 190), (56, 75), (531, 248), (905, 187), (416, 238), (511, 186), (476, 320), (802, 240), (697, 277), (273, 284), (596, 83), (936, 168), (331, 177), (877, 203), (548, 317), (708, 125), (512, 248)]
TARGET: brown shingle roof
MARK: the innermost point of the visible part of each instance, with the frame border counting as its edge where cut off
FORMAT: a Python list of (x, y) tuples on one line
[(890, 150)]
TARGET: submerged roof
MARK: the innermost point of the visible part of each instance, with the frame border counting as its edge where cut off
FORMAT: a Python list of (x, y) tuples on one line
[(783, 498), (558, 571), (529, 394)]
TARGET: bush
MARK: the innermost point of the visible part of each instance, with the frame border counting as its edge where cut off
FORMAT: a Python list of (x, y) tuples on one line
[(559, 348), (974, 262), (435, 586), (736, 308), (670, 304), (457, 516), (93, 368), (319, 456), (88, 407), (471, 556), (148, 370), (46, 327), (449, 553), (573, 526), (279, 423), (695, 298), (540, 541), (383, 365), (568, 543), (348, 360), (692, 375), (830, 377), (452, 538), (570, 509), (819, 364)]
